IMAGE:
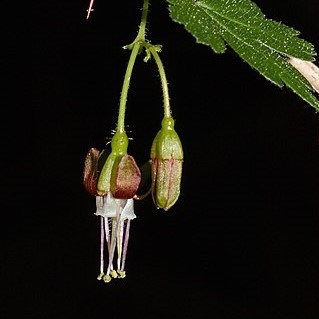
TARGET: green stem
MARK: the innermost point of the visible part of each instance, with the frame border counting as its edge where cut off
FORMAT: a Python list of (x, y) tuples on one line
[(125, 87), (167, 108), (138, 42), (142, 27)]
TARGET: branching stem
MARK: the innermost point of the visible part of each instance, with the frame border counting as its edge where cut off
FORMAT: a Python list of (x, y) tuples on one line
[(136, 47)]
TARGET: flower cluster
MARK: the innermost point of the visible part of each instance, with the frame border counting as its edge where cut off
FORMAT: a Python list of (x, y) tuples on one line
[(113, 176), (114, 179)]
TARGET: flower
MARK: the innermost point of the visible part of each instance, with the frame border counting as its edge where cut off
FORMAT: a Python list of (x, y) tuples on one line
[(114, 182), (166, 161)]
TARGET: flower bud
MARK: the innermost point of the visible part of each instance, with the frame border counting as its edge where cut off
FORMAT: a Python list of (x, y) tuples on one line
[(167, 160)]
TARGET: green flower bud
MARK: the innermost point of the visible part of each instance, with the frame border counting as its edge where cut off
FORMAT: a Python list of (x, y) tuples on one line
[(167, 160)]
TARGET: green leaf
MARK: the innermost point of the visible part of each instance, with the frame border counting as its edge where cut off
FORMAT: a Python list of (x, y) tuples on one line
[(263, 43)]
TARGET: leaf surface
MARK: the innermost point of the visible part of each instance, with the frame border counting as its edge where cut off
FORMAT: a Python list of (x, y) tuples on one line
[(263, 43)]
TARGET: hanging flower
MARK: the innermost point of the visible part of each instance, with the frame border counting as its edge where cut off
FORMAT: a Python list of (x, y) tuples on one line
[(114, 183)]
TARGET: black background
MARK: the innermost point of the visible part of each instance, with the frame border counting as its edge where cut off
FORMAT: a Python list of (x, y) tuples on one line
[(243, 239)]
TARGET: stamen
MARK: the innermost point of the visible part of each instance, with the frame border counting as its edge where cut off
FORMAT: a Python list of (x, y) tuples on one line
[(101, 250), (112, 245), (107, 278), (100, 276), (119, 243), (114, 273), (107, 232), (127, 235)]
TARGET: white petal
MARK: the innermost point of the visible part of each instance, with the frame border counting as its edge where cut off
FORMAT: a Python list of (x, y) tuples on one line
[(105, 206), (110, 206), (99, 205), (128, 210)]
